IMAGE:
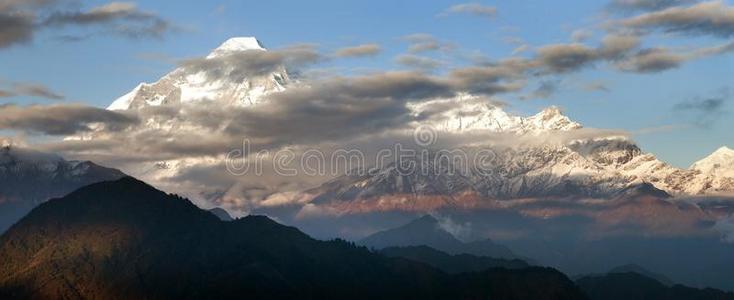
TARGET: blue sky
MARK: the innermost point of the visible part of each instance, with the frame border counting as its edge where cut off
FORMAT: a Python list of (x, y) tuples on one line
[(99, 69)]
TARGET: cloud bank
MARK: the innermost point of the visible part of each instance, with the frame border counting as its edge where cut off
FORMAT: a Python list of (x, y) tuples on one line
[(20, 20)]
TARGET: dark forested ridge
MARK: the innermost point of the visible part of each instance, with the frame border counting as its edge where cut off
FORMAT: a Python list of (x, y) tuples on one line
[(125, 239), (458, 263), (635, 286), (426, 231)]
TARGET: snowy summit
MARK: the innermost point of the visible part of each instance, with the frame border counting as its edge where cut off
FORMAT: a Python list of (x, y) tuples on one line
[(719, 163), (183, 85)]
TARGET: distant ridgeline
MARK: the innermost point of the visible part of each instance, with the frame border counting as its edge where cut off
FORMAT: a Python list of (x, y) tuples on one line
[(29, 177), (124, 239)]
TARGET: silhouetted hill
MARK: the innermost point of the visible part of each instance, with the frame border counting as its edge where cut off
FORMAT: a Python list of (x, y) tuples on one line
[(527, 283), (29, 177), (221, 214), (641, 190), (634, 286), (124, 239), (426, 231), (459, 263), (634, 268)]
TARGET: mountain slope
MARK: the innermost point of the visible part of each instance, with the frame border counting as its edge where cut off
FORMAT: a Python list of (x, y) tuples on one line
[(554, 156), (458, 263), (29, 177), (636, 286), (600, 168), (634, 268), (466, 113), (721, 162), (124, 239), (426, 231), (221, 214), (185, 86)]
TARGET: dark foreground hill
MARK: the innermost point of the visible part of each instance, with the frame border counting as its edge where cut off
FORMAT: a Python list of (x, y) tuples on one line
[(221, 214), (426, 231), (459, 263), (124, 239), (635, 286), (634, 268)]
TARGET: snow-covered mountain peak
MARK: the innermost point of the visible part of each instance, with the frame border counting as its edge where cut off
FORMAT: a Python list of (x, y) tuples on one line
[(237, 44), (550, 112), (719, 163), (126, 101), (241, 43), (466, 113), (186, 85), (551, 118), (724, 151)]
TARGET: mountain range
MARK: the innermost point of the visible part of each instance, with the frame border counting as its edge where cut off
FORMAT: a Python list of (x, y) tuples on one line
[(631, 285), (623, 282), (452, 264), (596, 168), (569, 162), (186, 86), (427, 231), (29, 177), (124, 239), (546, 167)]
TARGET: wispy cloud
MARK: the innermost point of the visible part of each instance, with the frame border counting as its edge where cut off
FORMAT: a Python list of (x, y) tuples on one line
[(564, 58), (418, 62), (475, 9), (652, 61), (725, 226), (705, 112), (658, 129), (358, 51), (37, 90), (6, 94), (60, 119), (20, 20), (422, 42), (546, 89), (239, 65), (596, 86), (15, 28), (581, 35), (714, 18), (121, 18), (645, 5), (520, 49), (31, 90)]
